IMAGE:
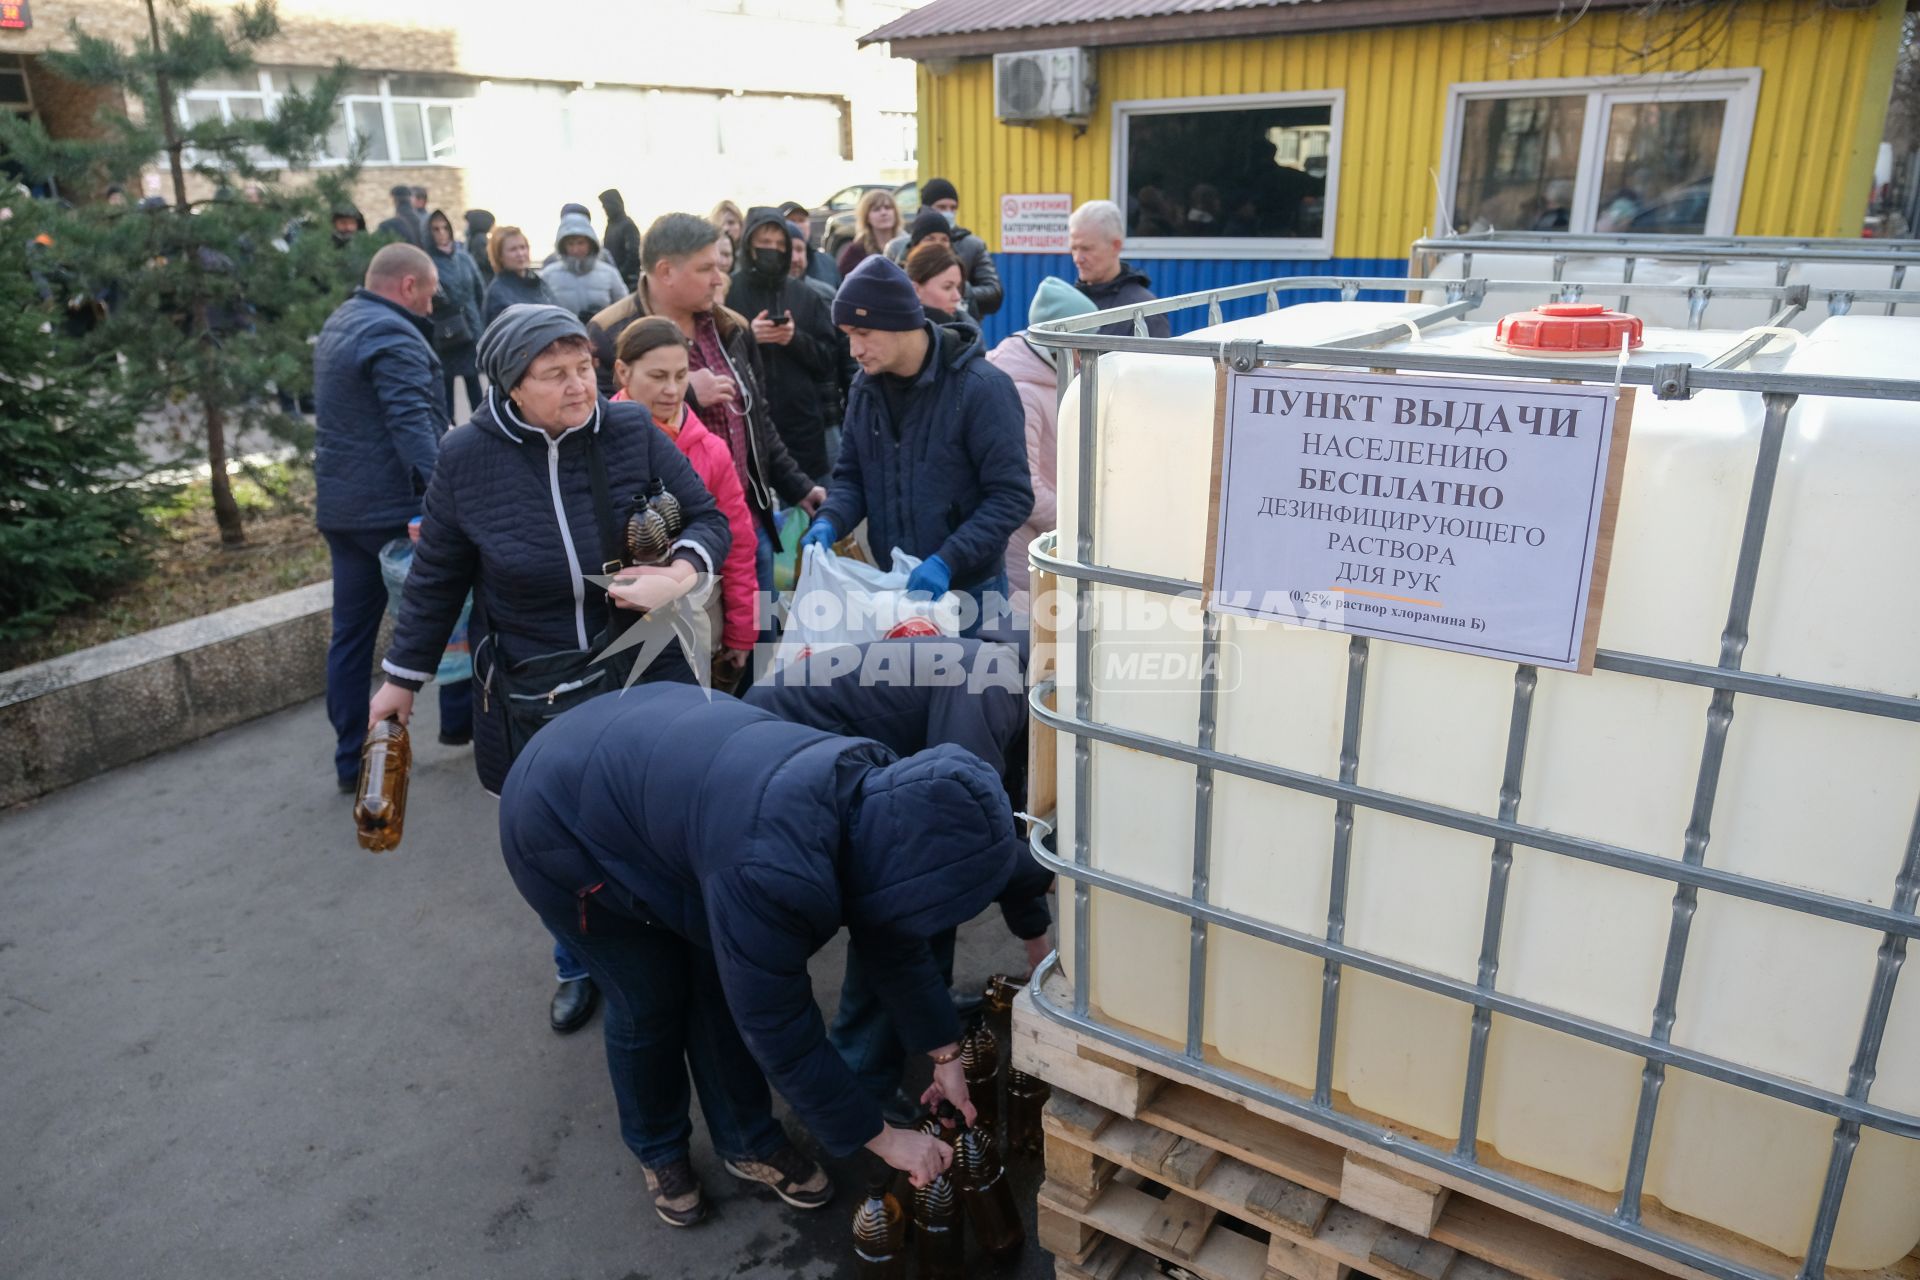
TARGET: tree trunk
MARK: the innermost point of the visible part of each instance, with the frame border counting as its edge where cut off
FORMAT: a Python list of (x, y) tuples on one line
[(226, 512)]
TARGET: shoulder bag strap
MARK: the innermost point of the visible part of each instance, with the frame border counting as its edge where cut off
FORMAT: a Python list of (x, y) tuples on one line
[(610, 540)]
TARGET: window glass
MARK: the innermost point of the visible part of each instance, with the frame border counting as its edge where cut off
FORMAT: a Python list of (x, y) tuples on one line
[(13, 88), (370, 131), (201, 110), (246, 107), (1241, 172), (1519, 158), (410, 136), (440, 132), (1658, 172), (339, 146)]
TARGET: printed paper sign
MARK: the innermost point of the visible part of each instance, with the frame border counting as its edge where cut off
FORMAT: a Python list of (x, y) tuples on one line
[(1034, 224), (1456, 513)]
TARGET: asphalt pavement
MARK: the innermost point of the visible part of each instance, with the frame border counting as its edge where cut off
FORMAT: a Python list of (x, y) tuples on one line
[(233, 1044)]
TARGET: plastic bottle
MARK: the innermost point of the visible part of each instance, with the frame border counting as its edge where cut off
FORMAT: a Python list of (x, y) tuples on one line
[(997, 999), (944, 1123), (986, 1193), (667, 505), (380, 807), (938, 1240), (980, 1060), (880, 1232), (1026, 1097)]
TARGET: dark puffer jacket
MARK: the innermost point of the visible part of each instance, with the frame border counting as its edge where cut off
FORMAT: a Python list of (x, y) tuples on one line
[(379, 412), (760, 840), (622, 240), (462, 292), (1126, 289), (479, 223), (512, 287), (491, 528), (912, 694), (771, 470), (803, 373), (951, 477)]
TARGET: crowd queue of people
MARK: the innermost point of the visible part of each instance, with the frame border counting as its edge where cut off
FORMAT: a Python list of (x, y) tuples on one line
[(689, 851)]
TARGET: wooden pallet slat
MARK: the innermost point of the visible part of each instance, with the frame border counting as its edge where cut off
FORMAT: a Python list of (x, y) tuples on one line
[(1410, 1203), (1180, 1226)]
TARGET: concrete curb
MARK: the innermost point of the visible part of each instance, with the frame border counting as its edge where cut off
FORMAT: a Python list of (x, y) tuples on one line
[(82, 714)]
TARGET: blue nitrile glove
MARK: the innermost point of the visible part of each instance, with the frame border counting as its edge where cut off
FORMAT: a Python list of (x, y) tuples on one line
[(932, 577), (819, 534)]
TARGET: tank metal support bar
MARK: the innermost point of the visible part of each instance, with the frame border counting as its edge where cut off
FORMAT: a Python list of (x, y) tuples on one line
[(1779, 249), (1082, 673), (1899, 1123), (1866, 1060), (1526, 679), (1358, 650), (1202, 837), (1733, 645), (1398, 1144), (1834, 697)]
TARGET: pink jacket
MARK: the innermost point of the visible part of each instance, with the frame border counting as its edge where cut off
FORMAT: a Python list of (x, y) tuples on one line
[(1034, 379), (713, 463)]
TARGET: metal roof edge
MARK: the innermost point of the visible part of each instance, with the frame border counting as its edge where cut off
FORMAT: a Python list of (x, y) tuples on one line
[(1306, 15)]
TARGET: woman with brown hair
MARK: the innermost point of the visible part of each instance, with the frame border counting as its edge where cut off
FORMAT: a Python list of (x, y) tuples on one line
[(515, 279), (935, 272), (876, 220)]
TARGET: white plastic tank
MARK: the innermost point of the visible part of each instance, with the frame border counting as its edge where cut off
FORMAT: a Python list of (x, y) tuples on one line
[(1807, 796)]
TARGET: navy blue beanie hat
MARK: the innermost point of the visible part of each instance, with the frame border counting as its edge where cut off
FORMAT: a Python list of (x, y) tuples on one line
[(878, 295)]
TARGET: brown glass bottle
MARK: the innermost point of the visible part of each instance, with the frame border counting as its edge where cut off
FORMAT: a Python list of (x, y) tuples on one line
[(986, 1194), (880, 1232), (937, 1236), (980, 1060), (1026, 1098), (380, 804), (997, 999)]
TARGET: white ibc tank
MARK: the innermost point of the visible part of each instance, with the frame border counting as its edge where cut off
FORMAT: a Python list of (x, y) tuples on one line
[(1809, 797)]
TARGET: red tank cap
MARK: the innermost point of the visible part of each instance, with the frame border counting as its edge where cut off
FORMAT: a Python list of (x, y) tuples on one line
[(1567, 328)]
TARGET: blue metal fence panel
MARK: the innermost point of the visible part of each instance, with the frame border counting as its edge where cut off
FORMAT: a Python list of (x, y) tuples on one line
[(1022, 273)]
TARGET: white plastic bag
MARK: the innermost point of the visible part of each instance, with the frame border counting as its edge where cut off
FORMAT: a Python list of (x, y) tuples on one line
[(841, 601)]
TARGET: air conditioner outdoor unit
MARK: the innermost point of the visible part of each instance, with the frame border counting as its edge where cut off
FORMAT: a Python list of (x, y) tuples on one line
[(1043, 84)]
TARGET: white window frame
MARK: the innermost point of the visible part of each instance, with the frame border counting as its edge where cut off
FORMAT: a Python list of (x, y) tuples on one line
[(1237, 247), (1739, 88), (385, 100)]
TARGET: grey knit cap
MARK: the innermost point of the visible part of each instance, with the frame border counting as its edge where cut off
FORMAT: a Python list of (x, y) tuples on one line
[(517, 337)]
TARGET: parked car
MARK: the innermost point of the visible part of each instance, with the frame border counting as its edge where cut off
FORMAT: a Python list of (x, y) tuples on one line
[(830, 226)]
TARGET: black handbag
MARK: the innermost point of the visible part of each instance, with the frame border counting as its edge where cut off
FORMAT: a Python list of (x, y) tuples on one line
[(536, 690), (451, 328)]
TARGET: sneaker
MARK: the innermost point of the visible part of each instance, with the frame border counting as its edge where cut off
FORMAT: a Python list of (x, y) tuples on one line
[(677, 1197), (793, 1177)]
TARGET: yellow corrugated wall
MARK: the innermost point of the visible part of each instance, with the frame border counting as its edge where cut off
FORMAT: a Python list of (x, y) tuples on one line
[(1825, 76)]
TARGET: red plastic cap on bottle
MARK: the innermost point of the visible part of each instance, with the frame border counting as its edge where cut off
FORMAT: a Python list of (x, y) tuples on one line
[(1567, 328)]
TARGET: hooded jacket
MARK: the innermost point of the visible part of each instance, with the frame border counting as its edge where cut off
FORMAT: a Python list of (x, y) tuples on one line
[(950, 478), (1038, 386), (978, 276), (479, 223), (802, 375), (586, 285), (406, 223), (510, 517), (623, 238), (771, 470), (912, 694), (379, 413), (760, 840), (1126, 289), (461, 293)]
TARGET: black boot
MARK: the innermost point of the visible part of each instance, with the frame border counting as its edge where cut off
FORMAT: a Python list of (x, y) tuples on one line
[(572, 1005)]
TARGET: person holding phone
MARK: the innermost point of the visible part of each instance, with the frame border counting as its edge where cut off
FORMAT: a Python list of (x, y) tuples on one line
[(794, 330)]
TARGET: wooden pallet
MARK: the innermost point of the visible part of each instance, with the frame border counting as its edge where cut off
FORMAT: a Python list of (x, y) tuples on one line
[(1212, 1213), (1330, 1202)]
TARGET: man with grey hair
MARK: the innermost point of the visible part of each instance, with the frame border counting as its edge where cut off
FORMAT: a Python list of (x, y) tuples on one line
[(1095, 233), (380, 410)]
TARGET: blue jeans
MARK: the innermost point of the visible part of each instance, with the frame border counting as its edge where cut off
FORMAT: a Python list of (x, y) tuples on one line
[(665, 1013), (862, 1032), (566, 966), (359, 601)]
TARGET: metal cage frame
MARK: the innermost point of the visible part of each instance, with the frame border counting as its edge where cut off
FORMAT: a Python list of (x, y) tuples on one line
[(1896, 924)]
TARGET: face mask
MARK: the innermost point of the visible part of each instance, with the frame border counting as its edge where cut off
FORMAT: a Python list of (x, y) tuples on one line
[(950, 215), (771, 263)]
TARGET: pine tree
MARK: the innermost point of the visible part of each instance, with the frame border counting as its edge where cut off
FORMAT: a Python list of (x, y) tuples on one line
[(207, 303), (71, 519)]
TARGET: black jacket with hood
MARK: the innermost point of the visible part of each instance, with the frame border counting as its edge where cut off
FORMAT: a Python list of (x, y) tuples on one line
[(802, 375), (406, 223), (1126, 289), (479, 223), (760, 840), (622, 241), (771, 470)]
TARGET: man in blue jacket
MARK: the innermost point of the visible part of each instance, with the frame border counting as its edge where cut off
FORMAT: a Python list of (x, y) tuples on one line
[(694, 852), (933, 453), (380, 409), (908, 695)]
